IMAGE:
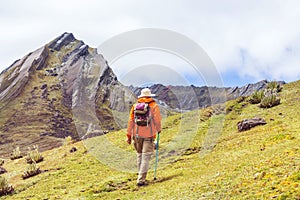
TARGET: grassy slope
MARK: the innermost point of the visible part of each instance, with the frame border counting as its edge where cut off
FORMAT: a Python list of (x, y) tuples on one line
[(259, 163)]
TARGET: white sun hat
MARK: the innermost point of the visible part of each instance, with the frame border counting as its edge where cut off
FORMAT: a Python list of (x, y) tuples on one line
[(146, 92)]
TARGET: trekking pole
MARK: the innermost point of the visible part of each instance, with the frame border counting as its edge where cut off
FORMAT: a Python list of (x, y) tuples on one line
[(156, 159)]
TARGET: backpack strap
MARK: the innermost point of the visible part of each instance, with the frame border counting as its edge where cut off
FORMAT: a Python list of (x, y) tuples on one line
[(137, 132), (150, 117)]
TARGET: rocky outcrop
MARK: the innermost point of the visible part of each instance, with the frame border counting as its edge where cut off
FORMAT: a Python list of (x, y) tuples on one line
[(247, 124), (2, 170)]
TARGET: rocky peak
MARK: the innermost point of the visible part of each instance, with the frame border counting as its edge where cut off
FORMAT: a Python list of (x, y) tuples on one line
[(61, 41)]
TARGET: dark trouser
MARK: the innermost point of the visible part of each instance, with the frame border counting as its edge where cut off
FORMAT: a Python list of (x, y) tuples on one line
[(144, 148)]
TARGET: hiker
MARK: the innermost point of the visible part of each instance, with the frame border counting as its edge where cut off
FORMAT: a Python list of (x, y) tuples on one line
[(144, 122)]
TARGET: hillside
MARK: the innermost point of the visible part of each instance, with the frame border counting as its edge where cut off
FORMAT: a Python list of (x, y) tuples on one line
[(261, 163)]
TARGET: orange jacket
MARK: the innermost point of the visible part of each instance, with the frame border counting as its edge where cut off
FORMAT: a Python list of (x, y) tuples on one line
[(145, 131)]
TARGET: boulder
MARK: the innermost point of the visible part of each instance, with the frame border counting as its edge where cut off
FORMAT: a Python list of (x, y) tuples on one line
[(73, 149), (2, 170), (247, 124)]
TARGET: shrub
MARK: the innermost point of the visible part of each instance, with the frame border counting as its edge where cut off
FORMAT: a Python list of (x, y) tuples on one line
[(34, 156), (5, 188), (206, 113), (2, 169), (240, 99), (269, 101), (235, 106), (16, 154), (218, 109), (68, 140), (31, 170), (274, 86), (256, 97)]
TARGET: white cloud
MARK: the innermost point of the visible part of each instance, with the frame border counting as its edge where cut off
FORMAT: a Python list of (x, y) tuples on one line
[(263, 30)]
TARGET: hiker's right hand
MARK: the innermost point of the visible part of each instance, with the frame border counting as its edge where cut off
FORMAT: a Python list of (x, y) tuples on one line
[(128, 140)]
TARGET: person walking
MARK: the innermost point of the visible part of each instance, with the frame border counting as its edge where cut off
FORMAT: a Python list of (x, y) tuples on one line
[(143, 124)]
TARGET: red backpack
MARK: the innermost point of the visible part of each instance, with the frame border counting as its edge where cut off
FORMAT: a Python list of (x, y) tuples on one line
[(142, 114)]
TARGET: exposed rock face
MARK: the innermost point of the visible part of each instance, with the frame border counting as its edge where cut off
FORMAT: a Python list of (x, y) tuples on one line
[(43, 94), (15, 78), (250, 123), (61, 41)]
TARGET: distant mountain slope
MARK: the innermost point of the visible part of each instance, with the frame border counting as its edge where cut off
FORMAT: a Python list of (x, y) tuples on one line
[(40, 92), (195, 97)]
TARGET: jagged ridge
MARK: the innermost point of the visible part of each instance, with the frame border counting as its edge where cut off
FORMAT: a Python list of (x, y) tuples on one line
[(193, 97)]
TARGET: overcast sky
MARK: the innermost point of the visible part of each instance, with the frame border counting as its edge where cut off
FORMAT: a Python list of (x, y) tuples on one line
[(247, 40)]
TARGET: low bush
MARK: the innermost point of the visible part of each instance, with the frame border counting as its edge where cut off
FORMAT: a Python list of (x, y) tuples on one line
[(68, 140), (2, 169), (206, 113), (34, 156), (31, 170), (269, 101), (5, 188), (274, 86), (16, 154), (218, 109), (256, 97)]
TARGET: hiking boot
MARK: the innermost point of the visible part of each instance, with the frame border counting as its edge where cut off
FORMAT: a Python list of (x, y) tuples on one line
[(141, 184)]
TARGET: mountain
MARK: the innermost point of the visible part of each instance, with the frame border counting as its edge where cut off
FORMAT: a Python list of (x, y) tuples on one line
[(59, 90), (193, 97)]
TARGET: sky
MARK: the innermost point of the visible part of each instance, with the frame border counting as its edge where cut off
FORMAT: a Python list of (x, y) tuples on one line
[(246, 40)]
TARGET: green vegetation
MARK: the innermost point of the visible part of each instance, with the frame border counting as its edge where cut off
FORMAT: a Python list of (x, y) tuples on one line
[(269, 101), (31, 170), (256, 97), (5, 188), (261, 163), (68, 140), (274, 86), (16, 154), (34, 156), (267, 98)]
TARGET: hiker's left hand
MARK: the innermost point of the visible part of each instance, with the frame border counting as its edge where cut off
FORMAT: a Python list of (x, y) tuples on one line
[(155, 145)]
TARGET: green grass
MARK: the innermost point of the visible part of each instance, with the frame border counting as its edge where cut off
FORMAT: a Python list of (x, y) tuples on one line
[(262, 163)]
